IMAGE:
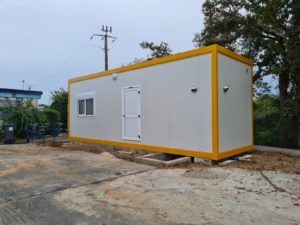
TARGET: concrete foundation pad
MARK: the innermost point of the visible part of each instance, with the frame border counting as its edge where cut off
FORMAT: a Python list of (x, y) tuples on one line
[(205, 161), (162, 159), (245, 158)]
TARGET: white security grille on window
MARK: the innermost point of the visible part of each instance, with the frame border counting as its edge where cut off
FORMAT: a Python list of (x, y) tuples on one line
[(86, 104)]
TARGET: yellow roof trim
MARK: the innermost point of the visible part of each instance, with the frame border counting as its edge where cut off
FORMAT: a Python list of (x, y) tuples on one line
[(176, 57), (234, 55)]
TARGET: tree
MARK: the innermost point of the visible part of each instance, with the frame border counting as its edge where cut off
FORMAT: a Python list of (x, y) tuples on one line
[(52, 115), (266, 31), (59, 102), (266, 115), (24, 116), (157, 50)]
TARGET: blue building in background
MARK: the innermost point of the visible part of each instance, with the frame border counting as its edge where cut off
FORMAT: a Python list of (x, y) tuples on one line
[(15, 97)]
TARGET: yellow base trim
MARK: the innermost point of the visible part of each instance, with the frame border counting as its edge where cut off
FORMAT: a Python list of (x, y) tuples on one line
[(223, 155), (191, 153), (184, 152)]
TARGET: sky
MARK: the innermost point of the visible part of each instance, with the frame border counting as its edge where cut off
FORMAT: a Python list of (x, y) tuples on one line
[(47, 42)]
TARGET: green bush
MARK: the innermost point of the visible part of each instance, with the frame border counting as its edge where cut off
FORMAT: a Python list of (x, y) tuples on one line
[(23, 116), (52, 115)]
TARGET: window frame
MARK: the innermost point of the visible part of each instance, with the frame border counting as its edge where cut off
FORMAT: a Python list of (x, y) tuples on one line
[(84, 97), (86, 107), (78, 105)]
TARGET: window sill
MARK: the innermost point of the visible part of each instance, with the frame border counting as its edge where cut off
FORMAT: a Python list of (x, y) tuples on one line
[(85, 115)]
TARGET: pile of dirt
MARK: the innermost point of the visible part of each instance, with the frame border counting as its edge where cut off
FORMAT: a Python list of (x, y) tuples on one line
[(72, 147), (129, 156)]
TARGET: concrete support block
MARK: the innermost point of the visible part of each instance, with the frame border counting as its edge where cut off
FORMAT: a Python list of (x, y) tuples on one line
[(162, 159)]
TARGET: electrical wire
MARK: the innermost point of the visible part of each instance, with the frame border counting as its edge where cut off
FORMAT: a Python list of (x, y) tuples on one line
[(69, 61), (72, 64)]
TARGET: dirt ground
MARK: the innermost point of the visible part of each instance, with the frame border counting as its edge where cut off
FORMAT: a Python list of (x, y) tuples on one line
[(271, 162), (260, 160), (68, 184)]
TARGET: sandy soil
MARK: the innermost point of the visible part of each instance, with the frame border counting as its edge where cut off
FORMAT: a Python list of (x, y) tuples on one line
[(260, 160)]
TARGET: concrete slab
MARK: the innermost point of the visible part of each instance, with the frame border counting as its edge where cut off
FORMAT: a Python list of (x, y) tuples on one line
[(63, 188), (212, 196), (29, 174), (30, 180), (282, 181)]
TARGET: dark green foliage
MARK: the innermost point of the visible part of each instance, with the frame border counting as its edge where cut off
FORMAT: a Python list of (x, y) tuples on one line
[(267, 31), (266, 115), (23, 116), (1, 132), (52, 115), (59, 102), (157, 50)]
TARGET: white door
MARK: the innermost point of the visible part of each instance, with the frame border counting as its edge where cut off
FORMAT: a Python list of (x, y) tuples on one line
[(131, 113)]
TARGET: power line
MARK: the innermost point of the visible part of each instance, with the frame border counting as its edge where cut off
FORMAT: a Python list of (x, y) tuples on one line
[(74, 69), (73, 56), (105, 37), (70, 60), (76, 60)]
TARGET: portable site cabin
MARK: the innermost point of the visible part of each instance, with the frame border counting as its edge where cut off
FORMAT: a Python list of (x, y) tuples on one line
[(196, 103)]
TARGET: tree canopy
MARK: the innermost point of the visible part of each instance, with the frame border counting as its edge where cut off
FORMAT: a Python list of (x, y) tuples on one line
[(157, 50), (268, 32), (59, 102)]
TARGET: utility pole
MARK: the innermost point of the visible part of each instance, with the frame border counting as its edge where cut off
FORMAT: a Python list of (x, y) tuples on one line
[(105, 36), (29, 86)]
